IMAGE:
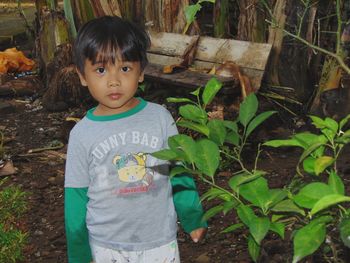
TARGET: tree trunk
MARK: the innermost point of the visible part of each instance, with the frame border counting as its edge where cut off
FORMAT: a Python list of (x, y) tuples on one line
[(220, 19), (166, 16), (251, 24), (276, 39), (105, 7)]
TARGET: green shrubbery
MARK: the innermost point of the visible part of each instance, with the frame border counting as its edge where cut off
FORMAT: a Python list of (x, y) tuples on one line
[(314, 205), (12, 240)]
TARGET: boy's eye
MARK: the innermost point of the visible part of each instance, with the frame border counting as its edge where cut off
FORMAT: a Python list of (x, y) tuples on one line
[(101, 70), (125, 69)]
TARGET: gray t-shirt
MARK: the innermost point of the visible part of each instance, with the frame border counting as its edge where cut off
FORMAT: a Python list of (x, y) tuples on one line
[(130, 203)]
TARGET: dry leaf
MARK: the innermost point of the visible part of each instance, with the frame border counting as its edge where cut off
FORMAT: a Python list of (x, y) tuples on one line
[(7, 169), (13, 60)]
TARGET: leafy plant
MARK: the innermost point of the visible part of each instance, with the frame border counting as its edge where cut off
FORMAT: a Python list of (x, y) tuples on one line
[(12, 240), (12, 203), (247, 191), (321, 199), (191, 12)]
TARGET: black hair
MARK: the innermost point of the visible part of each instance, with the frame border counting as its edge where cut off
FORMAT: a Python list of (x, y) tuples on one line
[(108, 39)]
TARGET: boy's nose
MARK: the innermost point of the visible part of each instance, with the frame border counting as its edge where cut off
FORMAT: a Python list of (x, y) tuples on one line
[(113, 83)]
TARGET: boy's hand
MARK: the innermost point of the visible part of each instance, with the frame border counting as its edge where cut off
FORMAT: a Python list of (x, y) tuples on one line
[(198, 234)]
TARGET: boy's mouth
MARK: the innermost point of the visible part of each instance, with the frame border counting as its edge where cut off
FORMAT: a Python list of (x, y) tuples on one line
[(115, 96)]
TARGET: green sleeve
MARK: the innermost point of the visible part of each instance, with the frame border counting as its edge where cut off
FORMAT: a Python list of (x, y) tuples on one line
[(187, 204), (78, 248)]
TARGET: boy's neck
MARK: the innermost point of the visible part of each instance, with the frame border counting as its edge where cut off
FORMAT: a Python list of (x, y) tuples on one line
[(138, 106)]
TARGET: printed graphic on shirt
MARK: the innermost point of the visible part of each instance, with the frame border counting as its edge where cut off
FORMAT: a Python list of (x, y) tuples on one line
[(132, 172)]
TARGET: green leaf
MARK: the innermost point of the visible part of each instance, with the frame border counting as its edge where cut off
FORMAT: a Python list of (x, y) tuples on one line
[(328, 201), (308, 239), (184, 146), (276, 196), (165, 154), (253, 248), (282, 143), (256, 192), (179, 100), (232, 125), (306, 139), (196, 92), (248, 109), (207, 157), (217, 131), (258, 228), (332, 125), (212, 212), (193, 113), (344, 138), (323, 162), (229, 205), (288, 206), (210, 1), (211, 89), (309, 195), (239, 179), (278, 228), (344, 121), (310, 149), (257, 121), (178, 170), (233, 138), (318, 122), (203, 129), (344, 228), (232, 228), (246, 214), (191, 11), (213, 193), (336, 183), (309, 165)]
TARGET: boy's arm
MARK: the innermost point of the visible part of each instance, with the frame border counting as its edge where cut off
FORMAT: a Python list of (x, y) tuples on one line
[(187, 203), (78, 248)]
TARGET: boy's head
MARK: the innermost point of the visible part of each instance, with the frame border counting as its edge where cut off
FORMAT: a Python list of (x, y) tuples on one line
[(108, 39)]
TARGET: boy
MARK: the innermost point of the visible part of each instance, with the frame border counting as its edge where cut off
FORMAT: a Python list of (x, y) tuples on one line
[(119, 202)]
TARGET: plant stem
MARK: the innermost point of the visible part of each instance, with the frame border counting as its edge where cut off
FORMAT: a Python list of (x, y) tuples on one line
[(336, 56), (220, 188)]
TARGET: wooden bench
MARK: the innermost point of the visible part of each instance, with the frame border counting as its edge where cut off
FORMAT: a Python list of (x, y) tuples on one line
[(168, 49)]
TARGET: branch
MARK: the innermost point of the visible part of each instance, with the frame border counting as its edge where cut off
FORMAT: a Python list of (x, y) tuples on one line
[(336, 56)]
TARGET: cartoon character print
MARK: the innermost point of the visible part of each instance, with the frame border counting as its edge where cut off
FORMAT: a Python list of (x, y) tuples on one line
[(131, 168)]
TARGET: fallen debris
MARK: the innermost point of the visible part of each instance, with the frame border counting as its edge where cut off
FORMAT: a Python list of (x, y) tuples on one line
[(7, 168), (13, 60)]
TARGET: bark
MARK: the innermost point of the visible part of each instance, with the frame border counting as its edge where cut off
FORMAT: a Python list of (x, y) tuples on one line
[(54, 31), (106, 7), (220, 21), (167, 16), (251, 21), (276, 39), (331, 74), (82, 12)]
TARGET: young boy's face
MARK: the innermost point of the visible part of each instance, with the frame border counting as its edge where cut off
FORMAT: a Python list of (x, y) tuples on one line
[(112, 85)]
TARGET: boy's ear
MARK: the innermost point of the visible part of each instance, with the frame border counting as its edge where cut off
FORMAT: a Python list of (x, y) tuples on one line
[(82, 79), (142, 76)]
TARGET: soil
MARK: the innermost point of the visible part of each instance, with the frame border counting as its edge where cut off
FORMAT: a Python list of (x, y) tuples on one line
[(29, 128)]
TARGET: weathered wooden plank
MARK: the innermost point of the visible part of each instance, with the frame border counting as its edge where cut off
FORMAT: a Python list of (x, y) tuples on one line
[(187, 78), (243, 53), (255, 76)]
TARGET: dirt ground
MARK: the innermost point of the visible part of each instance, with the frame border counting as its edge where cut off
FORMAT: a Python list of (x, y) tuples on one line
[(29, 128)]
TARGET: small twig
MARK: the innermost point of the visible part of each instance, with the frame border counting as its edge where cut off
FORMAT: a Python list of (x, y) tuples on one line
[(56, 147)]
